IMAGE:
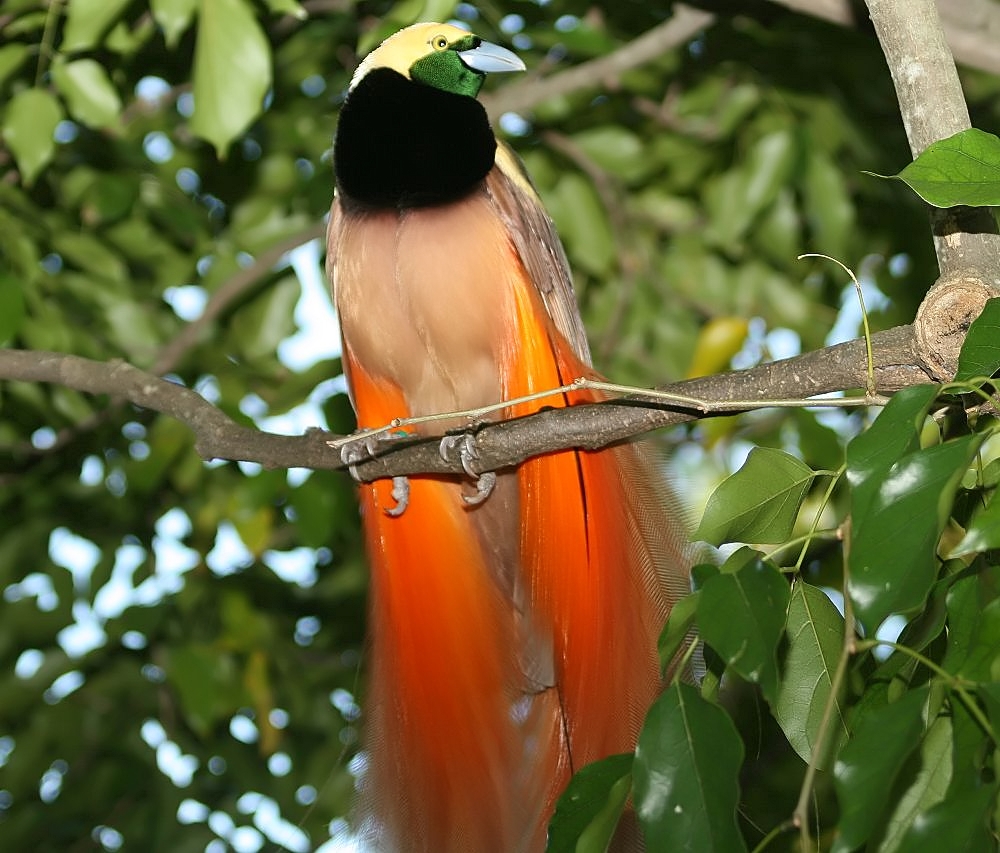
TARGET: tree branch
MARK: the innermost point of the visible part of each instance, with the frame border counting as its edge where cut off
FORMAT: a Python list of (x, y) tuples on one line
[(171, 355), (972, 27), (231, 290), (217, 436), (933, 107), (680, 28), (502, 444)]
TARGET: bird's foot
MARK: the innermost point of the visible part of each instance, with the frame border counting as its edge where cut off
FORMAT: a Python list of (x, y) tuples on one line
[(401, 495), (366, 447), (468, 454), (358, 450)]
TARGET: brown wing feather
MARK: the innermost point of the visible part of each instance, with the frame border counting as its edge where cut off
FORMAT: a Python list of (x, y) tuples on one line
[(537, 244)]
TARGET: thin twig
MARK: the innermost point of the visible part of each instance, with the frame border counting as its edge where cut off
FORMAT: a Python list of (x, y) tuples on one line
[(695, 405), (610, 194), (684, 25), (867, 332), (954, 682), (231, 290)]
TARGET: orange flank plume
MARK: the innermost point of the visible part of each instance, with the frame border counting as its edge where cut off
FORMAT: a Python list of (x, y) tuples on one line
[(445, 741)]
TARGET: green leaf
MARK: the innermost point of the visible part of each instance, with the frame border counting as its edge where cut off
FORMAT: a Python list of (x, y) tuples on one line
[(110, 199), (972, 747), (173, 17), (896, 431), (990, 695), (829, 202), (960, 822), (983, 534), (258, 328), (589, 809), (90, 95), (72, 405), (245, 627), (869, 763), (207, 684), (927, 625), (287, 7), (583, 223), (402, 14), (615, 149), (88, 20), (679, 622), (84, 250), (893, 558), (741, 615), (974, 633), (127, 39), (131, 328), (756, 182), (28, 128), (815, 632), (778, 230), (232, 72), (964, 604), (701, 572), (962, 169), (820, 444), (685, 775), (928, 788), (11, 307), (980, 354), (11, 57), (760, 502)]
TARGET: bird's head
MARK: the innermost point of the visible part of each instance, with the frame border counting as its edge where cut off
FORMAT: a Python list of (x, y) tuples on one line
[(439, 55), (411, 131)]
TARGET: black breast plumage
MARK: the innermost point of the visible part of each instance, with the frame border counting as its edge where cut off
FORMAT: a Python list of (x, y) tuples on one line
[(402, 144)]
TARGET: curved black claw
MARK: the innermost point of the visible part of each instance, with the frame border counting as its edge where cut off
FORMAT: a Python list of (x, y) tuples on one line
[(356, 451), (401, 495), (468, 454), (485, 484), (365, 447)]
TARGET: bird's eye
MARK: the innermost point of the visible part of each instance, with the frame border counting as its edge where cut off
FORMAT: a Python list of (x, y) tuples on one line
[(439, 42)]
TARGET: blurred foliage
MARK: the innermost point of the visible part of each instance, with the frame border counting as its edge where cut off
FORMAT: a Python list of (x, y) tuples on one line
[(181, 643)]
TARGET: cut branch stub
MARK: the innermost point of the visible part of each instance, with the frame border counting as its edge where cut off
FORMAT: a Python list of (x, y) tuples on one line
[(944, 317)]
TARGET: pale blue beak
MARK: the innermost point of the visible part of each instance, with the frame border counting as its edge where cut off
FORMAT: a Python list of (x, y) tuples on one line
[(489, 58)]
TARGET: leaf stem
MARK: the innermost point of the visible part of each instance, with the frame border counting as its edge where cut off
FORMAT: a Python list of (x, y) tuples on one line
[(45, 46), (870, 386), (800, 817), (781, 828), (827, 496), (954, 682)]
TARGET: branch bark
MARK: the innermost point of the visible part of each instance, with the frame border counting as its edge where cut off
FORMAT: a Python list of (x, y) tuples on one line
[(217, 436), (685, 23), (971, 27), (966, 240), (502, 444), (933, 107)]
